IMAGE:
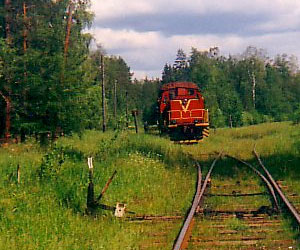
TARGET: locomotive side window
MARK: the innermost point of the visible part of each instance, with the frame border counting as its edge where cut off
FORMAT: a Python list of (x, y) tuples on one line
[(191, 91), (172, 94)]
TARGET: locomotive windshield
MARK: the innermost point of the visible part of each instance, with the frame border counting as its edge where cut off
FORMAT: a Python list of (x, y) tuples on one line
[(182, 93)]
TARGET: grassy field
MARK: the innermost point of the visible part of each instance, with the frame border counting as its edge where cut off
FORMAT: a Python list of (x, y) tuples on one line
[(154, 177)]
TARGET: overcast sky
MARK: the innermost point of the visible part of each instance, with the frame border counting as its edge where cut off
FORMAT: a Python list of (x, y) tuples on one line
[(148, 33)]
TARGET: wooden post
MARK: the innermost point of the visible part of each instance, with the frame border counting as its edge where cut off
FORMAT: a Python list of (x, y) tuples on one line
[(127, 120), (134, 113), (18, 174), (230, 121), (90, 196), (103, 94)]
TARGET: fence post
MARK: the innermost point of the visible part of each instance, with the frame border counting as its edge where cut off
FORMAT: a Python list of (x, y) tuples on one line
[(18, 174), (90, 195), (134, 113)]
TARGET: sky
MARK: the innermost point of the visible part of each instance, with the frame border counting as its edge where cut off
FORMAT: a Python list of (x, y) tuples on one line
[(148, 33)]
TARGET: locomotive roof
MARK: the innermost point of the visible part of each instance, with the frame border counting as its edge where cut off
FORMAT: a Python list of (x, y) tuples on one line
[(173, 85)]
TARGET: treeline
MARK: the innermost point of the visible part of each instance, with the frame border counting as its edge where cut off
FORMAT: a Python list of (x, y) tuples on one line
[(50, 79), (240, 90)]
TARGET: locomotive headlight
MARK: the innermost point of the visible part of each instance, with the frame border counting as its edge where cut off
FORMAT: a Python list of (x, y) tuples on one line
[(196, 121), (173, 121)]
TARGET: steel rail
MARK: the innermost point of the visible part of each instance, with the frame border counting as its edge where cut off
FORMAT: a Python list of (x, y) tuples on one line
[(277, 188), (270, 187), (183, 235)]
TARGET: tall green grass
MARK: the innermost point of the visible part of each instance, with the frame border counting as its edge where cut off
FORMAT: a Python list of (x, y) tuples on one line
[(47, 209), (154, 176)]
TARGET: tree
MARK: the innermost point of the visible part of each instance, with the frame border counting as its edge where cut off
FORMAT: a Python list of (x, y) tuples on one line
[(47, 90)]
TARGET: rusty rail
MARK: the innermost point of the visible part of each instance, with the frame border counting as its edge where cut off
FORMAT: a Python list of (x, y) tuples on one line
[(182, 239), (270, 187), (290, 207)]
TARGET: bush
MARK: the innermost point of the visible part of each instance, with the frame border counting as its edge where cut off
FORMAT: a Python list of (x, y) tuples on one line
[(217, 118), (295, 117), (247, 118), (51, 163)]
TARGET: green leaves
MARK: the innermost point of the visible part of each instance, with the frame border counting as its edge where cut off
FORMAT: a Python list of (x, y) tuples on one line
[(246, 89)]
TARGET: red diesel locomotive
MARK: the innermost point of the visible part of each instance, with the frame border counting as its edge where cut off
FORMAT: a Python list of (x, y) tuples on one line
[(182, 113)]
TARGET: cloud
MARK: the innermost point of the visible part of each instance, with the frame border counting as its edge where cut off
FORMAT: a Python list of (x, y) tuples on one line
[(147, 52), (126, 39), (283, 21), (110, 9), (147, 33), (186, 23), (120, 8)]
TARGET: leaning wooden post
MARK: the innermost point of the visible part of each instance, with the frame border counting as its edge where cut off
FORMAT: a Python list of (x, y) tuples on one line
[(106, 186), (90, 196), (134, 113)]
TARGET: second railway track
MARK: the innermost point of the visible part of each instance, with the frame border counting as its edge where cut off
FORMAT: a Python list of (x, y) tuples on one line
[(237, 213)]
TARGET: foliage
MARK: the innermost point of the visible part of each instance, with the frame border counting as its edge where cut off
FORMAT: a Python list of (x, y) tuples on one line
[(246, 89), (296, 115), (52, 77), (51, 163)]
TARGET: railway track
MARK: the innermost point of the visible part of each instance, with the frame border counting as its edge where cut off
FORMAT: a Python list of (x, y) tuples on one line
[(241, 214)]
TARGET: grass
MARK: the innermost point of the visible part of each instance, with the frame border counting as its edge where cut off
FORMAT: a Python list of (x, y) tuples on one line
[(47, 209)]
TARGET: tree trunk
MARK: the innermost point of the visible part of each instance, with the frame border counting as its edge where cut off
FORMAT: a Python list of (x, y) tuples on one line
[(253, 81), (69, 24), (253, 89), (8, 21), (7, 116), (25, 31)]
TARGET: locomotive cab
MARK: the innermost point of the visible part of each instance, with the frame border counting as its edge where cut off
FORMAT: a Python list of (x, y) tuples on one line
[(182, 111)]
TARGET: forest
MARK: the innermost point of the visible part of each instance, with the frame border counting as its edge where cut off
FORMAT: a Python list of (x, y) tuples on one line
[(51, 77)]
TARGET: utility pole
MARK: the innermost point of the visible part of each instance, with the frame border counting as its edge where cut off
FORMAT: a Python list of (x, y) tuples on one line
[(103, 94), (115, 101), (127, 121), (135, 113)]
